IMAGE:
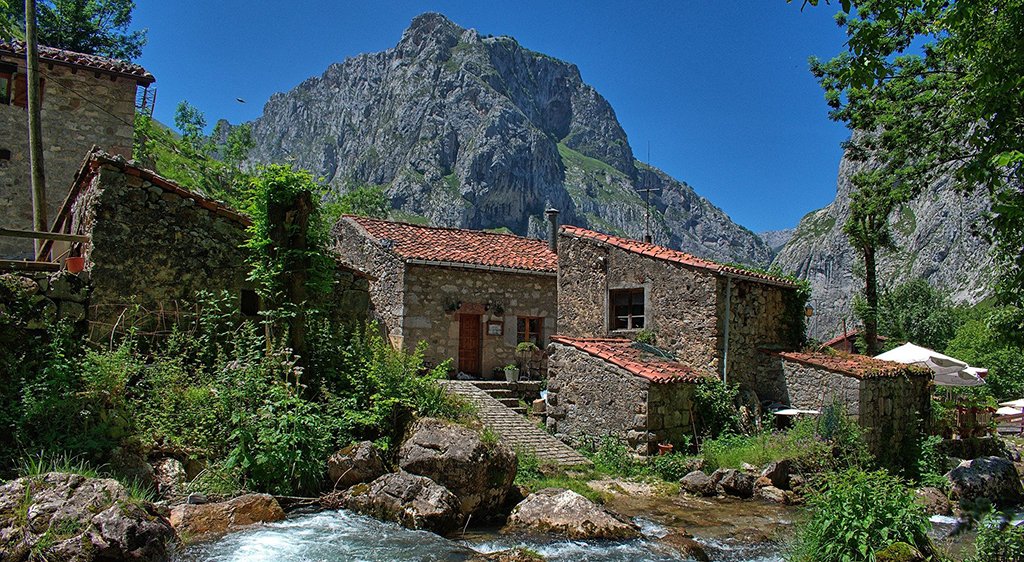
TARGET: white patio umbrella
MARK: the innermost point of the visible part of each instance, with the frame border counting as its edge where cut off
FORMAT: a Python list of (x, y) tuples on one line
[(948, 371), (1018, 404)]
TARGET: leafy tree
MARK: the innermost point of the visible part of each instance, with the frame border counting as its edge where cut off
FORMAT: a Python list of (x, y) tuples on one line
[(94, 27), (957, 107), (980, 342), (917, 312), (363, 200), (190, 123)]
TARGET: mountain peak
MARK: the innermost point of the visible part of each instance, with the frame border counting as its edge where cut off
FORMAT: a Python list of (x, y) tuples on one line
[(430, 24)]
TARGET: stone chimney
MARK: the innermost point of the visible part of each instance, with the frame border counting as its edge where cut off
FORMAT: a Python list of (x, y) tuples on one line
[(552, 216)]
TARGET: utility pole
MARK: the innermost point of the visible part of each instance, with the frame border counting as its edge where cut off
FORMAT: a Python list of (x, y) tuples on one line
[(35, 126), (647, 202)]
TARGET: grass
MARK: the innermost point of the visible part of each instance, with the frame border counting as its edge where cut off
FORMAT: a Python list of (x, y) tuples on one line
[(43, 463)]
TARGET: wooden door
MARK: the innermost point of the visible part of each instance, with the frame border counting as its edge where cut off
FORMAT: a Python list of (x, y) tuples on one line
[(469, 344)]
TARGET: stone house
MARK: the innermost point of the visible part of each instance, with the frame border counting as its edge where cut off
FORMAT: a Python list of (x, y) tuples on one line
[(890, 401), (471, 296), (615, 386), (87, 101), (712, 317), (153, 245)]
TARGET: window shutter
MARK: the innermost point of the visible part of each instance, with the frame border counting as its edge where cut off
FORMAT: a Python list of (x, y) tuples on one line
[(21, 89)]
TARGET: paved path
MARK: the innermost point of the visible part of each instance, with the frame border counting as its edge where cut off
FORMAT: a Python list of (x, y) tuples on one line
[(514, 429)]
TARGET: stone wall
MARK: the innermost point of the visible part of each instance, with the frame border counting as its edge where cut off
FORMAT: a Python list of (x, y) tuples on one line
[(680, 301), (80, 109), (431, 293), (589, 399), (153, 249), (34, 301), (387, 276), (892, 410), (756, 322), (670, 413)]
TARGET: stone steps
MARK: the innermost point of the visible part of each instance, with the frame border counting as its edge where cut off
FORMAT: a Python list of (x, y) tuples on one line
[(514, 429)]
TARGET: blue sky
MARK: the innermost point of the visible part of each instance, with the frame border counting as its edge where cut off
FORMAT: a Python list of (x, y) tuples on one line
[(718, 88)]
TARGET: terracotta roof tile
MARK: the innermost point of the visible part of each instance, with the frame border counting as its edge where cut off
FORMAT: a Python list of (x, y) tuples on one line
[(858, 366), (460, 246), (93, 62), (675, 256), (634, 359)]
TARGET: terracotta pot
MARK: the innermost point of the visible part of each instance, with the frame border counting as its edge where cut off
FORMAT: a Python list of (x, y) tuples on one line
[(74, 264), (664, 448)]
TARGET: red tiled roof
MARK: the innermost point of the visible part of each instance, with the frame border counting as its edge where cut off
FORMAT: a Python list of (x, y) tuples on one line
[(71, 58), (675, 256), (622, 353), (858, 366), (460, 246)]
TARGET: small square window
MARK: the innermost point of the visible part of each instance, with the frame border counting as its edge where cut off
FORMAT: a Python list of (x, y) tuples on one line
[(528, 329), (250, 303), (626, 309), (5, 88)]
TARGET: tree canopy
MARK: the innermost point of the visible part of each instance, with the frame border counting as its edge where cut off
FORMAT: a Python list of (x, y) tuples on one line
[(937, 87), (94, 27)]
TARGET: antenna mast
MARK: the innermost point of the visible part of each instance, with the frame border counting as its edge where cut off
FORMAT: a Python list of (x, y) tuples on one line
[(647, 201)]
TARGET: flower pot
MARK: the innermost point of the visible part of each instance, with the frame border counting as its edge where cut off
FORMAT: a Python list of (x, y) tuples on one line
[(74, 264), (511, 376), (664, 448)]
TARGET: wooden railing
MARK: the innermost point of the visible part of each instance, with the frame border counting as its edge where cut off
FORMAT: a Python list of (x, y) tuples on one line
[(43, 259)]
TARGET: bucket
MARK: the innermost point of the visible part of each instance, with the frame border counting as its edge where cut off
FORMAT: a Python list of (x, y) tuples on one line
[(74, 264)]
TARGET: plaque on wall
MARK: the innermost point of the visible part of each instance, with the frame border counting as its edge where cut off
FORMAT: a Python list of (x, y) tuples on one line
[(495, 328)]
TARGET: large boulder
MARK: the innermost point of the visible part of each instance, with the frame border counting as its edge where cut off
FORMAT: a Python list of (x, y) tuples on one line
[(778, 473), (480, 473), (201, 521), (698, 484), (566, 513), (61, 516), (357, 463), (416, 502), (170, 477), (687, 547), (734, 482), (992, 478), (934, 501)]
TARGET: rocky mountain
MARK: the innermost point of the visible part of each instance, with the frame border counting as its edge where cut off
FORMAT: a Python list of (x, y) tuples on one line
[(936, 239), (462, 129), (776, 239)]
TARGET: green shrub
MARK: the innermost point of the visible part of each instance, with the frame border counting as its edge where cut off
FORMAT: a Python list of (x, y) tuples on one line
[(613, 457), (856, 513), (714, 403), (671, 467), (998, 541)]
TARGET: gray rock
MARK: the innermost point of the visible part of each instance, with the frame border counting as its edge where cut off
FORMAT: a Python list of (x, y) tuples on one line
[(481, 132), (202, 521), (359, 462), (778, 472), (170, 476), (480, 474), (416, 502), (71, 517), (991, 478), (933, 240), (774, 495), (687, 547), (734, 482), (934, 501), (566, 513), (698, 484)]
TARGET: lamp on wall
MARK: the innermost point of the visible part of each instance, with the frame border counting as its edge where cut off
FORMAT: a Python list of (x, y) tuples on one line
[(808, 311)]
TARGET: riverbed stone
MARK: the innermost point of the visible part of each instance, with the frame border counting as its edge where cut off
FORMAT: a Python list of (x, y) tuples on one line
[(202, 521), (991, 478), (413, 501), (734, 482), (359, 462), (687, 547), (778, 472), (566, 513), (698, 483), (60, 516), (170, 476), (934, 501), (517, 554), (774, 495), (480, 473)]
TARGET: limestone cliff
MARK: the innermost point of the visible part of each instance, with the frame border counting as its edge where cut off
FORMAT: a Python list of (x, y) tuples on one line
[(936, 238), (467, 130)]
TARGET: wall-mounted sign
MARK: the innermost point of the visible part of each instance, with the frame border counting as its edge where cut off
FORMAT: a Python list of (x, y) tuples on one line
[(495, 328)]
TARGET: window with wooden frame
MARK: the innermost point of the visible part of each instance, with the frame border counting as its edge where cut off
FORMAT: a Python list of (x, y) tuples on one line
[(626, 309), (6, 81), (19, 96), (528, 328)]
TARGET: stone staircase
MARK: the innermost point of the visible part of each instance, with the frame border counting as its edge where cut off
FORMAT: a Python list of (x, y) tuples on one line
[(515, 429), (512, 395)]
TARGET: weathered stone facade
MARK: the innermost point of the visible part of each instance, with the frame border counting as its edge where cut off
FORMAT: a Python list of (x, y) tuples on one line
[(421, 301), (38, 299), (685, 305), (154, 246), (81, 107), (590, 398), (892, 407)]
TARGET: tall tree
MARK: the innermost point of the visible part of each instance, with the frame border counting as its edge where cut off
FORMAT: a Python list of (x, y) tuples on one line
[(937, 87), (94, 27)]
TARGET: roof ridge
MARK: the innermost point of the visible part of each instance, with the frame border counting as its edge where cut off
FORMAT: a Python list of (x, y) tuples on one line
[(97, 63)]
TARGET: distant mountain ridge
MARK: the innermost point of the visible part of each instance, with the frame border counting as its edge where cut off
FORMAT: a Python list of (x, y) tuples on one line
[(936, 239), (477, 131)]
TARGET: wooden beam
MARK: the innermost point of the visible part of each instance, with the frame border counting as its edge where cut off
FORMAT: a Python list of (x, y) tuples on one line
[(37, 235), (15, 265)]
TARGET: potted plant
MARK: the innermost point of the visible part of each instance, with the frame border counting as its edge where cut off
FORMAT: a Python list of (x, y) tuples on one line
[(511, 372), (74, 264)]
